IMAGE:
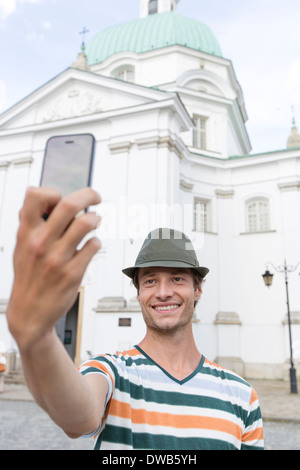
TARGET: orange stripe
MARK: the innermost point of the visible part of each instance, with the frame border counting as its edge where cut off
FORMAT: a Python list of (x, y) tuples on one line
[(256, 434), (123, 410), (131, 352), (211, 363), (254, 397), (98, 365)]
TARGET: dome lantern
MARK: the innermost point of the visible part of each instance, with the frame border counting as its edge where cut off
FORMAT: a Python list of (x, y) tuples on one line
[(150, 7)]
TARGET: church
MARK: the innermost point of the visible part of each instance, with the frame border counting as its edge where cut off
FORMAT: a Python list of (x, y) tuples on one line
[(169, 120)]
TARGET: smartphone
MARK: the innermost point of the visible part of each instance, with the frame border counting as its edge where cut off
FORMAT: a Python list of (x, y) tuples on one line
[(68, 162)]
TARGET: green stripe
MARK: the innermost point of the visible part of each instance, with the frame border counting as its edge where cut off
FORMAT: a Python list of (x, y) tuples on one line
[(224, 375), (138, 392), (254, 415), (118, 435), (250, 447), (90, 370)]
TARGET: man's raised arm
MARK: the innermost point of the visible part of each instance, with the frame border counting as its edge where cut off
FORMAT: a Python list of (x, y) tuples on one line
[(48, 271)]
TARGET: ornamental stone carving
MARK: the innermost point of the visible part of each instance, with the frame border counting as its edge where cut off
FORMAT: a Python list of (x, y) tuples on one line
[(75, 103)]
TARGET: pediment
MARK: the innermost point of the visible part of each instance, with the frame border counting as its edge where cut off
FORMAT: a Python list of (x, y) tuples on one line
[(73, 94), (74, 99)]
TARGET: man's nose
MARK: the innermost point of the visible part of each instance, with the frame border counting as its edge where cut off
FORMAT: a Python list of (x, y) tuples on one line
[(164, 290)]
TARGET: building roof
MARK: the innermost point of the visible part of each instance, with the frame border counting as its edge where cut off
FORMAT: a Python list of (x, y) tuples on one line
[(152, 32)]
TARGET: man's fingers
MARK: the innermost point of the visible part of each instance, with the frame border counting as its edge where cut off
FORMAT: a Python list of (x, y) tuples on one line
[(82, 258), (65, 212), (78, 229), (37, 202), (64, 229)]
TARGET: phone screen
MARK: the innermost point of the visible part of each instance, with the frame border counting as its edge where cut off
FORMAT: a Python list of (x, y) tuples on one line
[(68, 162)]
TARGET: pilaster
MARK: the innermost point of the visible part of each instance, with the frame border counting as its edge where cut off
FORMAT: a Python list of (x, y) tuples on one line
[(227, 320)]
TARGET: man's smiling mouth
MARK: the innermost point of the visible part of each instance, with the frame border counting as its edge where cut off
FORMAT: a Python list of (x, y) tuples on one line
[(165, 308)]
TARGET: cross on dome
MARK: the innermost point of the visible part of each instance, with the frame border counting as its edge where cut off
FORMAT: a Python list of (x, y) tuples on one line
[(150, 7), (83, 33)]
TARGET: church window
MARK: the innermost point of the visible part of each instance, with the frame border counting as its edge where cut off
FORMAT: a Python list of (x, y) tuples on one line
[(258, 215), (201, 215), (153, 6), (200, 132), (125, 73)]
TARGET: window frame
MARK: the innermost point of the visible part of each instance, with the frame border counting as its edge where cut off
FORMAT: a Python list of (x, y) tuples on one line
[(153, 7), (259, 219), (202, 216), (200, 131)]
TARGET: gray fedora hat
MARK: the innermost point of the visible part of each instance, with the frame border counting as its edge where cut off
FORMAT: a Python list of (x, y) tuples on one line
[(168, 248)]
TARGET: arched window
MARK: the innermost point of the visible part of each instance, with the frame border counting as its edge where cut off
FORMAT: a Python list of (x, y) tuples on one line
[(125, 73), (258, 215), (153, 5)]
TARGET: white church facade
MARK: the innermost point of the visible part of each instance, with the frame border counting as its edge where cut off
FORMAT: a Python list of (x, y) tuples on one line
[(168, 116)]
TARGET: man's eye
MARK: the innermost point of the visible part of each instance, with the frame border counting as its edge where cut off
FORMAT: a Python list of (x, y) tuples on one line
[(149, 281)]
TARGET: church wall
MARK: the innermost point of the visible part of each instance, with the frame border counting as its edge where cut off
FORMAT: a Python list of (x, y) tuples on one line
[(14, 178), (124, 337), (13, 191), (262, 310), (232, 145), (216, 134), (225, 134), (250, 337)]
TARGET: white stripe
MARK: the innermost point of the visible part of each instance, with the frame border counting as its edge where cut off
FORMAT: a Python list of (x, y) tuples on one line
[(257, 424), (174, 410), (254, 442), (113, 446), (202, 433)]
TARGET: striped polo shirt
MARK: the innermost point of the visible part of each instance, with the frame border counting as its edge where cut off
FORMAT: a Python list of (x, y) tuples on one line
[(147, 408)]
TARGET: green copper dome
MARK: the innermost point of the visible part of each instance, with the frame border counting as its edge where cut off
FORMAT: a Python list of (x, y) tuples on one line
[(150, 33)]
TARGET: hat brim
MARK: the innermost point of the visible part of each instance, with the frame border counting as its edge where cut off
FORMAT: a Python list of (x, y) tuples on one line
[(202, 271)]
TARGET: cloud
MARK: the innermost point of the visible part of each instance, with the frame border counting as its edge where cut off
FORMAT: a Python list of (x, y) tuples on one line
[(2, 95), (293, 81), (8, 7), (46, 25)]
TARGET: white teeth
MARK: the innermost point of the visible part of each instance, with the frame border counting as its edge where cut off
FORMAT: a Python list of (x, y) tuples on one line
[(166, 307)]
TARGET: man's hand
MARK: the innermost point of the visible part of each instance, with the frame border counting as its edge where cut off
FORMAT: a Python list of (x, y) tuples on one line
[(48, 265)]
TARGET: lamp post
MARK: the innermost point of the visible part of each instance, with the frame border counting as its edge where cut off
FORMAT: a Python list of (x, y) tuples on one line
[(268, 278)]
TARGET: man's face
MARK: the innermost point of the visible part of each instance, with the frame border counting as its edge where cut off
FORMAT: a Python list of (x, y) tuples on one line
[(167, 297)]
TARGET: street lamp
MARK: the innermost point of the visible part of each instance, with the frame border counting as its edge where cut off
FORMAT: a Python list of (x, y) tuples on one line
[(268, 278)]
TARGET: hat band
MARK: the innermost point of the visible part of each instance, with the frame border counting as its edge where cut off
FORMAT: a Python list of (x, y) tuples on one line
[(165, 263)]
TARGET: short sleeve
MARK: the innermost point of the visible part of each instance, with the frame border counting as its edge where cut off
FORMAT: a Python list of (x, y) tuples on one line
[(100, 365), (253, 436)]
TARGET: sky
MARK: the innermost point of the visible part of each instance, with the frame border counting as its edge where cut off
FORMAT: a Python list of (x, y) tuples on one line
[(40, 38)]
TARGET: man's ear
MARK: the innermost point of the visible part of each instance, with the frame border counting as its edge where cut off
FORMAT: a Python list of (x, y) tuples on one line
[(198, 293)]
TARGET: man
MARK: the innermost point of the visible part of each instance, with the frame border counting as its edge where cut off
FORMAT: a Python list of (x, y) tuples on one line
[(163, 393)]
